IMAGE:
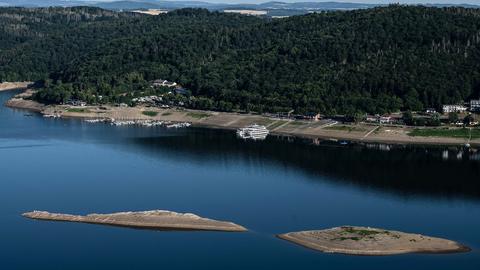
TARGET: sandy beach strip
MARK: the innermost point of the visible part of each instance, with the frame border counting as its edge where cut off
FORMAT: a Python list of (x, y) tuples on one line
[(154, 220), (7, 86)]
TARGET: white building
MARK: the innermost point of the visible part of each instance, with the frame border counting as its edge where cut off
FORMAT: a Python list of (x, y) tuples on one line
[(475, 105), (385, 120), (166, 83), (430, 111), (454, 108)]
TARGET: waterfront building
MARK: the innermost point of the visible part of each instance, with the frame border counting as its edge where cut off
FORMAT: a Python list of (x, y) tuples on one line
[(475, 105), (453, 108), (385, 120)]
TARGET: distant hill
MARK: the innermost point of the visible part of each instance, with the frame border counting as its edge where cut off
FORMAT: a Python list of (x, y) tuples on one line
[(126, 5), (42, 3), (274, 8), (315, 5)]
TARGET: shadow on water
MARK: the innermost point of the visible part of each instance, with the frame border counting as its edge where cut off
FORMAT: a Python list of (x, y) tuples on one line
[(433, 172), (402, 170)]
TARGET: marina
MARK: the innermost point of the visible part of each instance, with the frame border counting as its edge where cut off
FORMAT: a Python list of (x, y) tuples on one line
[(54, 115), (140, 123)]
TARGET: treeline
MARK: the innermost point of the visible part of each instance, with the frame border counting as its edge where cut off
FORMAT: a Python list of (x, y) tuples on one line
[(375, 60)]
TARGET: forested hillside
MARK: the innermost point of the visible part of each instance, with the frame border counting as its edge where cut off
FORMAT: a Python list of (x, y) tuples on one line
[(36, 42), (374, 60)]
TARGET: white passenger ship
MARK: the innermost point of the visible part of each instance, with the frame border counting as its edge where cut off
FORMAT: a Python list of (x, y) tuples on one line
[(255, 132)]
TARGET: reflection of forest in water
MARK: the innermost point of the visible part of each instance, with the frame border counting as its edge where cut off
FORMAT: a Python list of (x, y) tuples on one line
[(404, 170)]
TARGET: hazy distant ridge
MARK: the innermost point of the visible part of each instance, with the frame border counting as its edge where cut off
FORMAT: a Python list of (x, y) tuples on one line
[(157, 4)]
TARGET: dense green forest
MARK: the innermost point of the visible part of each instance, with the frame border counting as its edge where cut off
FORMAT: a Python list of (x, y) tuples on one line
[(374, 60)]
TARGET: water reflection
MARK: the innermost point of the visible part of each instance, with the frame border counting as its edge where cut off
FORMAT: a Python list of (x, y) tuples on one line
[(435, 172), (402, 170)]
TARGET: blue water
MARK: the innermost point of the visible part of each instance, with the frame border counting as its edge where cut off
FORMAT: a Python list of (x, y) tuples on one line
[(270, 187)]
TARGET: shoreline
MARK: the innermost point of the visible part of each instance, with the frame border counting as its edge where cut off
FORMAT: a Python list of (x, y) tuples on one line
[(315, 130)]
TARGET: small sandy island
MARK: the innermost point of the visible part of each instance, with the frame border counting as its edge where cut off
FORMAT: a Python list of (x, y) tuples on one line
[(371, 241), (155, 220)]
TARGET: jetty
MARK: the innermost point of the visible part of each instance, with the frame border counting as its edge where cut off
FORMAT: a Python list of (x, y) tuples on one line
[(154, 220), (371, 241)]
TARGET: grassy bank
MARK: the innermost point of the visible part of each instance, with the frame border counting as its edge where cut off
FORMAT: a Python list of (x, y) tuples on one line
[(77, 110), (150, 113), (463, 133)]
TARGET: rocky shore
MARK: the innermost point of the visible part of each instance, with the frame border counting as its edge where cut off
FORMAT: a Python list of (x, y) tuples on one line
[(371, 241), (154, 220)]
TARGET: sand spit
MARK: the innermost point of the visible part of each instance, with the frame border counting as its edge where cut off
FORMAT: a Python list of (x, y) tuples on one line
[(5, 86), (371, 241), (154, 220), (21, 101)]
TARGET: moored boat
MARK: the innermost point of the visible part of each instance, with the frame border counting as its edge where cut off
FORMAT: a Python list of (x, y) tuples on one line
[(254, 132)]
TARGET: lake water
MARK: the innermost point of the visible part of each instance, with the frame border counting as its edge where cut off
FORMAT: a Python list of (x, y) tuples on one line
[(270, 187)]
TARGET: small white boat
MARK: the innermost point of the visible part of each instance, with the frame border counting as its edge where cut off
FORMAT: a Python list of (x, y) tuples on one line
[(55, 115), (179, 125)]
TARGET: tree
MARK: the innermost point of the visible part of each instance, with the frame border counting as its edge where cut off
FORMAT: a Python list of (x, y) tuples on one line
[(408, 118), (468, 119), (434, 120), (412, 101), (452, 117)]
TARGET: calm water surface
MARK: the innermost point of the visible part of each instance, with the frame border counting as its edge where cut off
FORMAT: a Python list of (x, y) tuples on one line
[(270, 187)]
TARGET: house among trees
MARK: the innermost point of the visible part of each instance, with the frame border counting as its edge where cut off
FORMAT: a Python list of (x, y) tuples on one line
[(385, 119), (160, 82), (379, 119), (430, 111), (453, 108), (310, 116), (76, 102)]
